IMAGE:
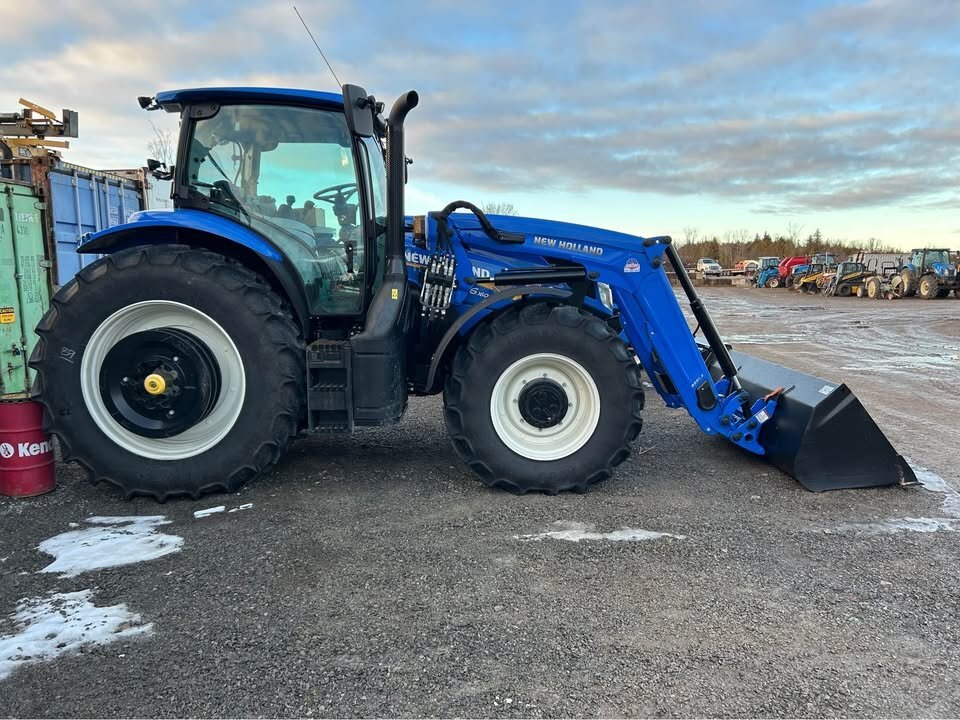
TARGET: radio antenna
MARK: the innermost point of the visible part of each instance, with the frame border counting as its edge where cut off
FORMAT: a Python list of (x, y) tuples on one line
[(318, 46)]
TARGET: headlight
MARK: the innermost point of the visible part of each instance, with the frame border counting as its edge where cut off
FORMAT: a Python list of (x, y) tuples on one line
[(606, 295)]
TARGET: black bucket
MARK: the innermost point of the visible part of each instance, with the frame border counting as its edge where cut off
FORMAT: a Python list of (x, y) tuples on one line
[(820, 434)]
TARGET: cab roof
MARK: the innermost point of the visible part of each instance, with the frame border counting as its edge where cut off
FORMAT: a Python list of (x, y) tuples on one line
[(174, 100)]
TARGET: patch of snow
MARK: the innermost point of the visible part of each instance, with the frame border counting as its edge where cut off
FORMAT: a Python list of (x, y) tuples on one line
[(907, 524), (577, 531), (934, 483), (209, 511), (930, 482), (62, 624), (120, 541)]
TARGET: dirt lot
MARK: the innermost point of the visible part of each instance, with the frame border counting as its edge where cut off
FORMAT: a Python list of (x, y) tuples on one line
[(373, 575)]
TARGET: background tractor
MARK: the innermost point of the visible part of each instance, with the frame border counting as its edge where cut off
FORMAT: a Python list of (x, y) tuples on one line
[(286, 291), (768, 274), (929, 274)]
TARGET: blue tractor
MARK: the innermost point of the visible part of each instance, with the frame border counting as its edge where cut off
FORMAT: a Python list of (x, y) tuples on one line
[(287, 292), (929, 274), (768, 274)]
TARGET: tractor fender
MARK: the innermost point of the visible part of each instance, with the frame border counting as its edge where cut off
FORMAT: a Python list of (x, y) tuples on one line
[(210, 232), (515, 294)]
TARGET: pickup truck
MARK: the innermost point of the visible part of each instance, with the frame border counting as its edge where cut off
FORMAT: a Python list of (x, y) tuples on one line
[(708, 266)]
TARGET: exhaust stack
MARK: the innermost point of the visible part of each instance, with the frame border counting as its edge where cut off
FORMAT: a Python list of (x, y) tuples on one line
[(396, 174)]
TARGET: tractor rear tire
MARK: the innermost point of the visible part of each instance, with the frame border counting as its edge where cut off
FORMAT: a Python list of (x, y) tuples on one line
[(231, 359), (516, 380), (773, 282), (929, 288), (909, 286), (874, 288)]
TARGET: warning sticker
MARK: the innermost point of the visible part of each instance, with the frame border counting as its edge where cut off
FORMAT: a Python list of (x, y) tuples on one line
[(762, 416), (826, 389), (7, 315), (632, 265)]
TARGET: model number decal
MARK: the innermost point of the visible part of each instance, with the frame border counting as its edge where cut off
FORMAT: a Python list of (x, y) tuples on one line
[(420, 259), (568, 245)]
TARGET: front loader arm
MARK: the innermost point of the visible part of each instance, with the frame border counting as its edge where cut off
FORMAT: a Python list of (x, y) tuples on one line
[(657, 329)]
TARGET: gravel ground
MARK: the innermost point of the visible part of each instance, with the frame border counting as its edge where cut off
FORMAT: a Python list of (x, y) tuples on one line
[(374, 576)]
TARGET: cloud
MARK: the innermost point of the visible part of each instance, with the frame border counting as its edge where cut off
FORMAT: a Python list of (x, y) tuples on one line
[(785, 107)]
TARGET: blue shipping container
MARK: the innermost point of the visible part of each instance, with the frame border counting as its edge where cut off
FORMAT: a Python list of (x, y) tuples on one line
[(83, 201)]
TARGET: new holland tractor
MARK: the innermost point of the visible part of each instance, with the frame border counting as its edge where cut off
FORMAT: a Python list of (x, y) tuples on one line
[(287, 292), (929, 274), (768, 274)]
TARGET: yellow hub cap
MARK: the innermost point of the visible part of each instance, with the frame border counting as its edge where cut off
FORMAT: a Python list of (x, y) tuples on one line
[(154, 384)]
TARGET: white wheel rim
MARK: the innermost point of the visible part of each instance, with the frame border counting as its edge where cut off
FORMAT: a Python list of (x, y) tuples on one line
[(558, 441), (149, 315)]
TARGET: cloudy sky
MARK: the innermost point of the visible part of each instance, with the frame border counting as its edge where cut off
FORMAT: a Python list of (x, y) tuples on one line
[(638, 115)]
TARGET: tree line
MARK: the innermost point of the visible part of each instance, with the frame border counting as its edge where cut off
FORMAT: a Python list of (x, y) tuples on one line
[(739, 245)]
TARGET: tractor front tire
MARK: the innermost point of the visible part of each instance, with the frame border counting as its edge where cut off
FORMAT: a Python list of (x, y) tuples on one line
[(543, 398), (773, 282), (167, 371), (929, 288)]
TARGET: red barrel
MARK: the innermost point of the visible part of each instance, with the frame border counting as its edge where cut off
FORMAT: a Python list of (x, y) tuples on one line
[(26, 453)]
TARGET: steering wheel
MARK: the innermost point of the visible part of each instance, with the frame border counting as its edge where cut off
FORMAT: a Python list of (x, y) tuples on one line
[(336, 193)]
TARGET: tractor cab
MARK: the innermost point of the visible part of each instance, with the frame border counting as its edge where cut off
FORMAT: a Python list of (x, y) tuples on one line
[(288, 168), (930, 260)]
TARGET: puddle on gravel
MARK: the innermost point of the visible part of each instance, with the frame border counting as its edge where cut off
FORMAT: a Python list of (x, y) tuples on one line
[(577, 531), (931, 482), (113, 542), (63, 624)]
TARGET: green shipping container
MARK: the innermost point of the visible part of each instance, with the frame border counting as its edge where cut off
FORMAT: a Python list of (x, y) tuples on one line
[(24, 285)]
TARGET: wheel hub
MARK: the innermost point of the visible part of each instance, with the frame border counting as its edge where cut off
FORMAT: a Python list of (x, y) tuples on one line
[(158, 383), (155, 384), (543, 403)]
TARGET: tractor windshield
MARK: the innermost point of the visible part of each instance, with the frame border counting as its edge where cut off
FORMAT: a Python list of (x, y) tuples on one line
[(938, 256), (288, 173)]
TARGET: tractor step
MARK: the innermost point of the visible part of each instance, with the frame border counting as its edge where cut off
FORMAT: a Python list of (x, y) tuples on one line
[(329, 386)]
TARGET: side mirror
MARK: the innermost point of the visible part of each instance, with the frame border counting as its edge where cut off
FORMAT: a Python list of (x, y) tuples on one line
[(159, 170), (359, 110)]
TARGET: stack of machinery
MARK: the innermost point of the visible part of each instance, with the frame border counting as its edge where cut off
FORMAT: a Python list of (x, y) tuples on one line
[(46, 207)]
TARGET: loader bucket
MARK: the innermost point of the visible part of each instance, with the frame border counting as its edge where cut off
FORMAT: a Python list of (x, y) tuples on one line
[(820, 434)]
